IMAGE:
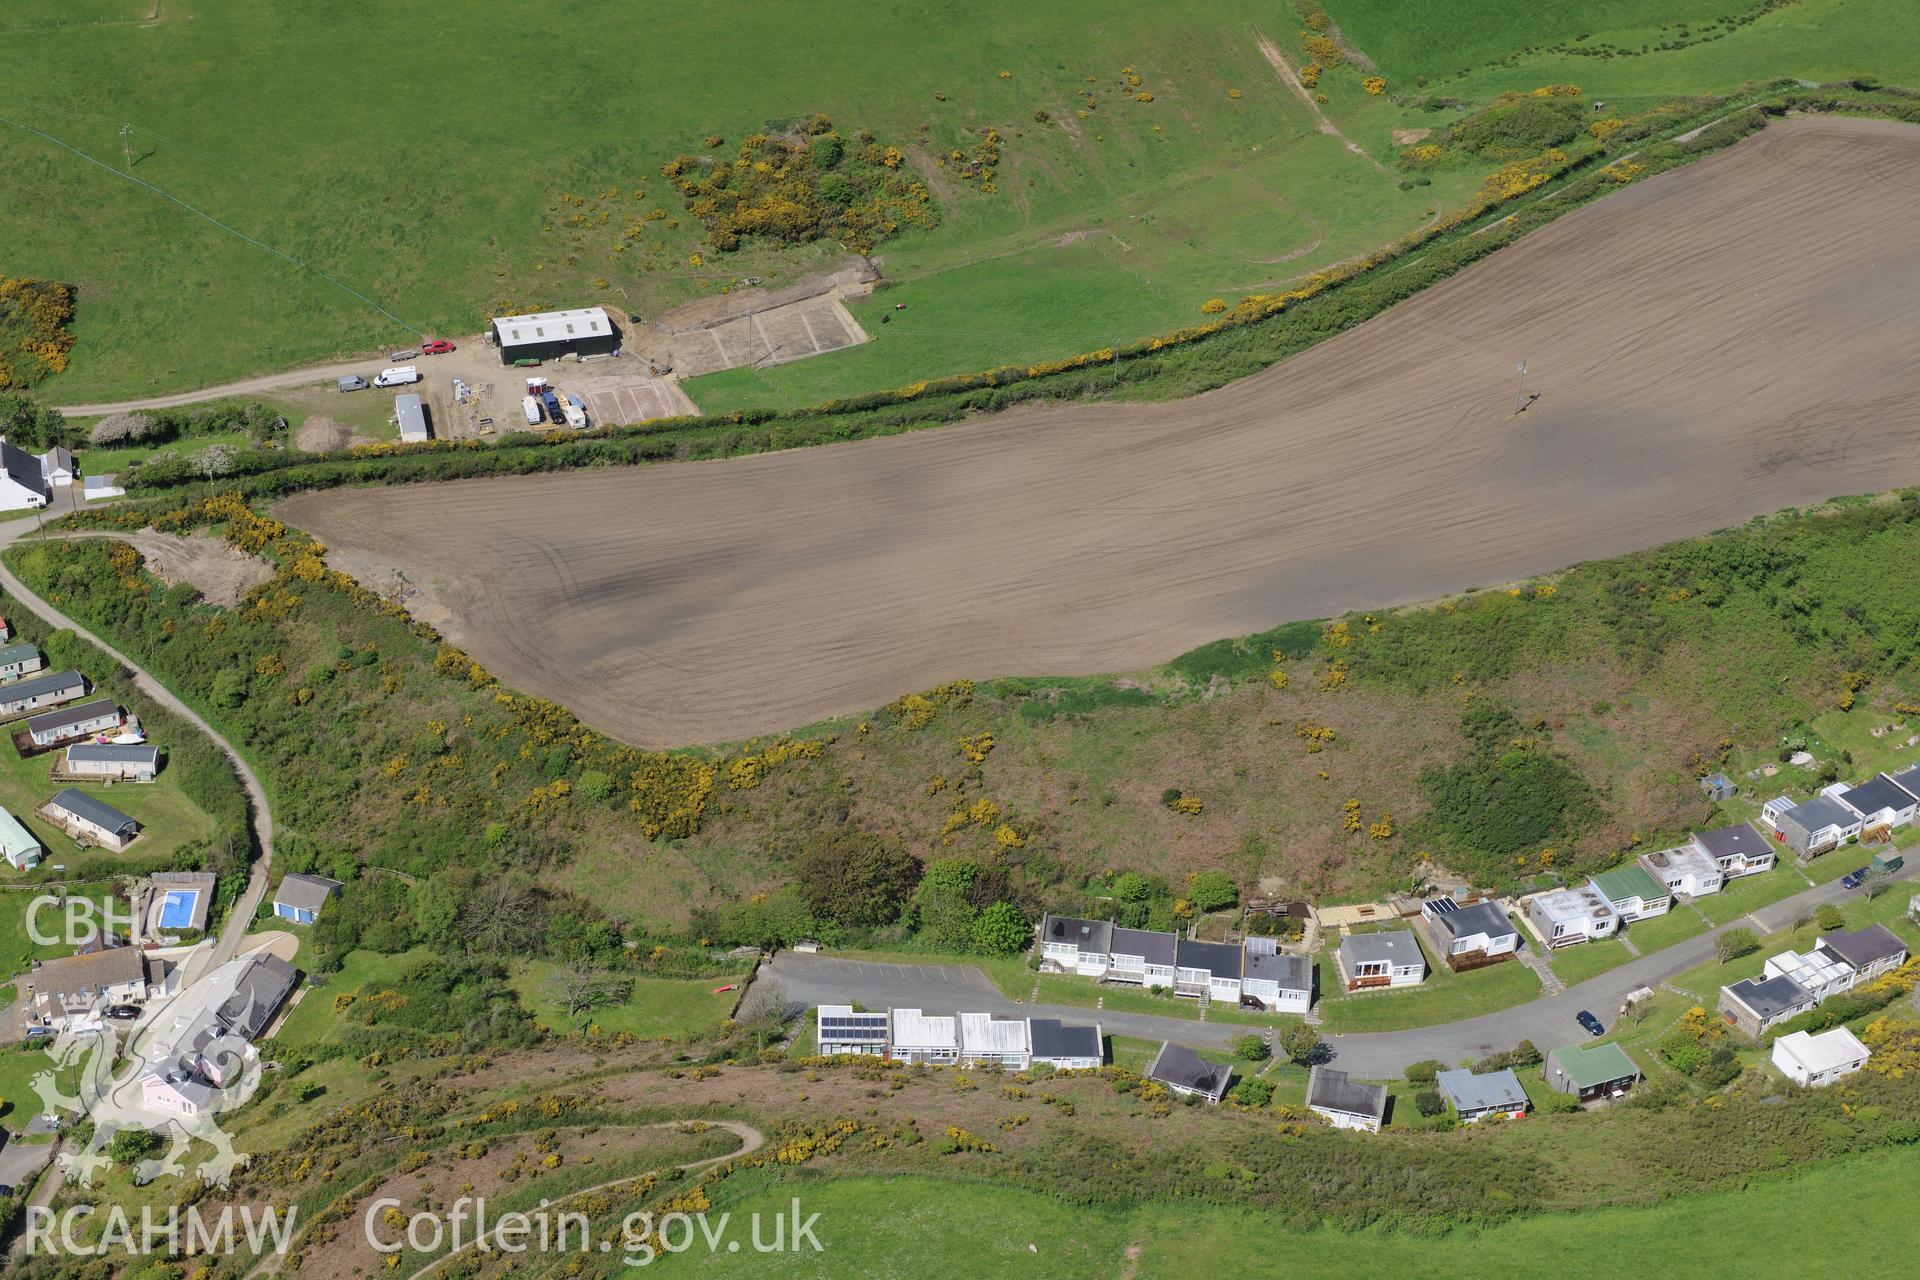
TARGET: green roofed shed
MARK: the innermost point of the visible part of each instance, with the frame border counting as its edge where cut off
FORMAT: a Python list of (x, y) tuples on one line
[(1591, 1072)]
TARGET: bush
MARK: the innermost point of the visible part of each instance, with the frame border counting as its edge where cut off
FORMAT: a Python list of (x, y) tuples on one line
[(1253, 1092), (1424, 1071), (1300, 1043), (1830, 917), (1734, 943), (1428, 1102), (1211, 891), (1251, 1047)]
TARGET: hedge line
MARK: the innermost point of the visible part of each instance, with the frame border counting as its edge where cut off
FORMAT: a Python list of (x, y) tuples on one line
[(1260, 331)]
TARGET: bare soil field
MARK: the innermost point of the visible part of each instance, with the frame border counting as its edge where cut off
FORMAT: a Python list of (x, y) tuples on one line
[(1725, 341)]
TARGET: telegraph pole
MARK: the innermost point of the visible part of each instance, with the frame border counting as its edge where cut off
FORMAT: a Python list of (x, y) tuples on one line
[(126, 144), (1520, 388)]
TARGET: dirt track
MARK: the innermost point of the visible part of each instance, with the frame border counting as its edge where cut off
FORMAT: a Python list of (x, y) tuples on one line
[(1725, 341)]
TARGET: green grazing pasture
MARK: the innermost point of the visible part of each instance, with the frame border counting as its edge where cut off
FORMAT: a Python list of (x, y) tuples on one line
[(420, 160), (1811, 39), (934, 1227)]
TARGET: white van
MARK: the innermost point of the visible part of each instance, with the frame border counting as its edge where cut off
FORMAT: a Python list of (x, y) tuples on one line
[(397, 376), (531, 407)]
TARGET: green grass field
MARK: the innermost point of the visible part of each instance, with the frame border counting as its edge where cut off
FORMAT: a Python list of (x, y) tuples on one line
[(932, 1227), (415, 170), (659, 1009), (1811, 39)]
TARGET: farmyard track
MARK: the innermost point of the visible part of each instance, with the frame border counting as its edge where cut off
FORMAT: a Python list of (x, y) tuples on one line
[(1721, 342)]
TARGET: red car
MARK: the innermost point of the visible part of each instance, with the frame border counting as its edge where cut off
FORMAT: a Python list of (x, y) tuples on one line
[(438, 347)]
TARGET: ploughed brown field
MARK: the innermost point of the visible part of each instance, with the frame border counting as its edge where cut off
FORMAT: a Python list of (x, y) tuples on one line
[(1739, 336)]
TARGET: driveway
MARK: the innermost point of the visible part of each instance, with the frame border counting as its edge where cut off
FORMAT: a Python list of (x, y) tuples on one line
[(1547, 1021)]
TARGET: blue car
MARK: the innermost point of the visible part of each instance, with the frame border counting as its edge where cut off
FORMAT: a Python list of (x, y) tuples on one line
[(1591, 1023), (1854, 879)]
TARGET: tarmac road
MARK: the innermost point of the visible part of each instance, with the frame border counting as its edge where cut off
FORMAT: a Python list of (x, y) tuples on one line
[(1547, 1021)]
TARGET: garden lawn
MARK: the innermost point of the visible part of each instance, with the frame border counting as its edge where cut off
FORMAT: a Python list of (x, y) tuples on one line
[(314, 1021), (1444, 997), (659, 1008), (1677, 925), (168, 820), (1085, 993), (1575, 964), (17, 947), (1749, 893), (19, 1064)]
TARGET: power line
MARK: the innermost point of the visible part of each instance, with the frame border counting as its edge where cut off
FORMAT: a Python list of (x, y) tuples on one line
[(203, 214)]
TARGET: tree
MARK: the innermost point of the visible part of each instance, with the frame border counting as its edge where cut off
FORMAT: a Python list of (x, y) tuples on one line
[(1428, 1102), (130, 1146), (1734, 943), (28, 424), (1251, 1047), (1211, 891), (580, 991), (1831, 917), (501, 916), (1000, 930), (1301, 1043), (215, 460), (1526, 1055), (765, 1005), (855, 878), (118, 428)]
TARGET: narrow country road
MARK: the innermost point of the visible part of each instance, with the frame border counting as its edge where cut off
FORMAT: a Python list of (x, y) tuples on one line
[(1548, 1021), (259, 812), (245, 386)]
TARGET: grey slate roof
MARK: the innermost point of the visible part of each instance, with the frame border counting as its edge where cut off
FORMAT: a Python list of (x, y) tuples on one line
[(1052, 1038), (305, 892), (1821, 811), (22, 467), (262, 989), (1217, 958), (73, 713), (1092, 936), (1398, 948), (1332, 1089), (15, 652), (1177, 1064), (1875, 794), (40, 686), (1481, 917), (1863, 947), (1727, 842), (97, 812), (1157, 947), (1908, 779), (1496, 1090), (1770, 997), (116, 752), (1292, 973)]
